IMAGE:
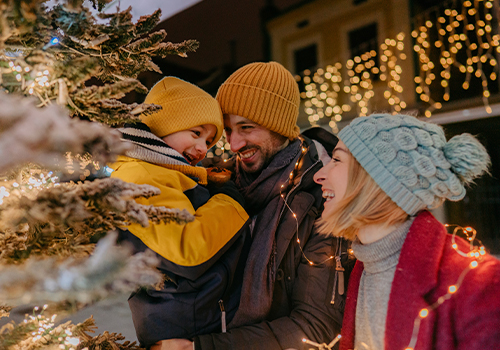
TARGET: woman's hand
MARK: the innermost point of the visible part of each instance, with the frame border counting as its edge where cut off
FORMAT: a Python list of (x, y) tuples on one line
[(173, 344)]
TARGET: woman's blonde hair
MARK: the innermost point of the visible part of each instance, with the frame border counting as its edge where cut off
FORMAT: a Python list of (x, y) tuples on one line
[(364, 203)]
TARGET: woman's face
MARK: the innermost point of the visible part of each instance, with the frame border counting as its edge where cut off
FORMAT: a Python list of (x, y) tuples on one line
[(333, 178)]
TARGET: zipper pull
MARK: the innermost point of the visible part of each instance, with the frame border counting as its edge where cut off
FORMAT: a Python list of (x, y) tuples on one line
[(340, 270), (222, 316), (334, 287)]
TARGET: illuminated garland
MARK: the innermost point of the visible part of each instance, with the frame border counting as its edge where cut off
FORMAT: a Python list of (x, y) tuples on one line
[(475, 253), (33, 183), (328, 95), (41, 331), (286, 185), (467, 29)]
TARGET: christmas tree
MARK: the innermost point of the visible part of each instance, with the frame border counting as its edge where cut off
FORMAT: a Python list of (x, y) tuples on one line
[(62, 75)]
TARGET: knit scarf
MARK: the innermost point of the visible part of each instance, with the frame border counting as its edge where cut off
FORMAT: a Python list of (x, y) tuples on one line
[(152, 149), (262, 196)]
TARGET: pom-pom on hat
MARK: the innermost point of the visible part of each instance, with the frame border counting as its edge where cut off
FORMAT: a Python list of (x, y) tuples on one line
[(184, 106), (265, 93), (411, 160)]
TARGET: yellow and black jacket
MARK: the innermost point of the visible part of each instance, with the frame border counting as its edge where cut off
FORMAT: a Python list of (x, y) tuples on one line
[(202, 260)]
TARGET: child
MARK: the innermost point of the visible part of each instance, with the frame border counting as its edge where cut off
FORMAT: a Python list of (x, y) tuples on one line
[(202, 258), (385, 172)]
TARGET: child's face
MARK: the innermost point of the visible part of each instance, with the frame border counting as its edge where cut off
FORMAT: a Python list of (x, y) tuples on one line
[(192, 143), (333, 178)]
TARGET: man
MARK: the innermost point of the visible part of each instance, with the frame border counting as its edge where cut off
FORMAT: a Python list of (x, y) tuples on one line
[(290, 288)]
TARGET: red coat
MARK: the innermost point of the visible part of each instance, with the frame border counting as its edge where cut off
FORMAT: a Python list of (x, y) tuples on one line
[(427, 266)]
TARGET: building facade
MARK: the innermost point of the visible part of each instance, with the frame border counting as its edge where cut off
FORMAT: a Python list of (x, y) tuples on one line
[(434, 59)]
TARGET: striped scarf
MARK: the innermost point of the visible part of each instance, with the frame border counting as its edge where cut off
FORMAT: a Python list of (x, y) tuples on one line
[(152, 149)]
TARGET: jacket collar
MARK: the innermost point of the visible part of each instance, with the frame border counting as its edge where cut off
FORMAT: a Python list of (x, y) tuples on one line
[(415, 277)]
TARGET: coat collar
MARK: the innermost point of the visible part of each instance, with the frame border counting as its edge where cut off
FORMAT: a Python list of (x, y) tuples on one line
[(416, 275)]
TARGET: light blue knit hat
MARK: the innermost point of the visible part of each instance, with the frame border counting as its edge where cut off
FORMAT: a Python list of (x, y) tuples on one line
[(412, 162)]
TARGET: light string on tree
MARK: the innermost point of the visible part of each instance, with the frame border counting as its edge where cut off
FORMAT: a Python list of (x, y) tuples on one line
[(42, 331), (476, 253), (328, 95), (31, 79), (31, 185), (464, 30)]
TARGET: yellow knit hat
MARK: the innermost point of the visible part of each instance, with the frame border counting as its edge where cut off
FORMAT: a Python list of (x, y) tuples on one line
[(265, 93), (184, 106)]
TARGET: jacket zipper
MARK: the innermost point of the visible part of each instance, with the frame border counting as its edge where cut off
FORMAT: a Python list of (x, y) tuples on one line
[(338, 280), (222, 316)]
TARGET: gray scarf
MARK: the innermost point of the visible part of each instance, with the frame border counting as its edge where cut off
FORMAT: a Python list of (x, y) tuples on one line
[(262, 196)]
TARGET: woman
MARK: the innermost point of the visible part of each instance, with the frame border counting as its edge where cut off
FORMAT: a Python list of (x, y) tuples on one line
[(385, 172)]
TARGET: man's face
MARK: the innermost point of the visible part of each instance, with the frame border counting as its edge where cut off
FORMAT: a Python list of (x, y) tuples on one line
[(254, 144)]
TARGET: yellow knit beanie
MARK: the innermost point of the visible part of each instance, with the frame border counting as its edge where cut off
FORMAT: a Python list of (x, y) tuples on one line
[(265, 93), (184, 106)]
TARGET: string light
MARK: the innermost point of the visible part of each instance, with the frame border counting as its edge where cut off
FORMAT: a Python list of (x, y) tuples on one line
[(475, 252), (44, 331), (52, 42), (328, 95), (286, 185), (456, 33), (29, 185)]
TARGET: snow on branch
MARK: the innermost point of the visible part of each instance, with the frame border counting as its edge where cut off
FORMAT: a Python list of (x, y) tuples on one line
[(61, 220), (44, 135), (110, 269)]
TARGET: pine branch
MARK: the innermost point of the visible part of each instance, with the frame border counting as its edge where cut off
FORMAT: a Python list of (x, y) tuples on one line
[(109, 270), (57, 70), (43, 136), (5, 311), (117, 90), (40, 332), (61, 220)]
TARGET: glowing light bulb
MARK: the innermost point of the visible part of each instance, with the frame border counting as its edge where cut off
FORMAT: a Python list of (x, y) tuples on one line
[(424, 313), (452, 289)]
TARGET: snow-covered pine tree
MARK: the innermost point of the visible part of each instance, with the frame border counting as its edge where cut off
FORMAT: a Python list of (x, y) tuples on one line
[(55, 123)]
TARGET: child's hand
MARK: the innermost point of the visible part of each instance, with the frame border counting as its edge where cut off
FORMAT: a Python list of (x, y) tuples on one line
[(218, 175)]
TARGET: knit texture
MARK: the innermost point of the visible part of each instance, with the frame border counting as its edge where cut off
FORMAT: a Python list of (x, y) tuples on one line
[(380, 259), (184, 106), (411, 160), (150, 148), (265, 93)]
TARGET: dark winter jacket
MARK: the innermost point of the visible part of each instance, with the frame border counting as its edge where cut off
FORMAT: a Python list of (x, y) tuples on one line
[(427, 267), (202, 260), (302, 304)]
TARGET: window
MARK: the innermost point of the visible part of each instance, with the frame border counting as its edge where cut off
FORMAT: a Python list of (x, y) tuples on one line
[(363, 40), (305, 58)]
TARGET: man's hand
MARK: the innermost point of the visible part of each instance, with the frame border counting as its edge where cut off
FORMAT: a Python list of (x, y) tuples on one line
[(173, 344)]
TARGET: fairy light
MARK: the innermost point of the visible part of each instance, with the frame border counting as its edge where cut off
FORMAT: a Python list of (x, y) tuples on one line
[(33, 183), (329, 94), (475, 253), (45, 330), (294, 215), (463, 30)]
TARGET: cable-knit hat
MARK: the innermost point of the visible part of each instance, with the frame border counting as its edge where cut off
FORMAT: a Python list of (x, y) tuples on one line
[(184, 106), (265, 93), (411, 160)]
